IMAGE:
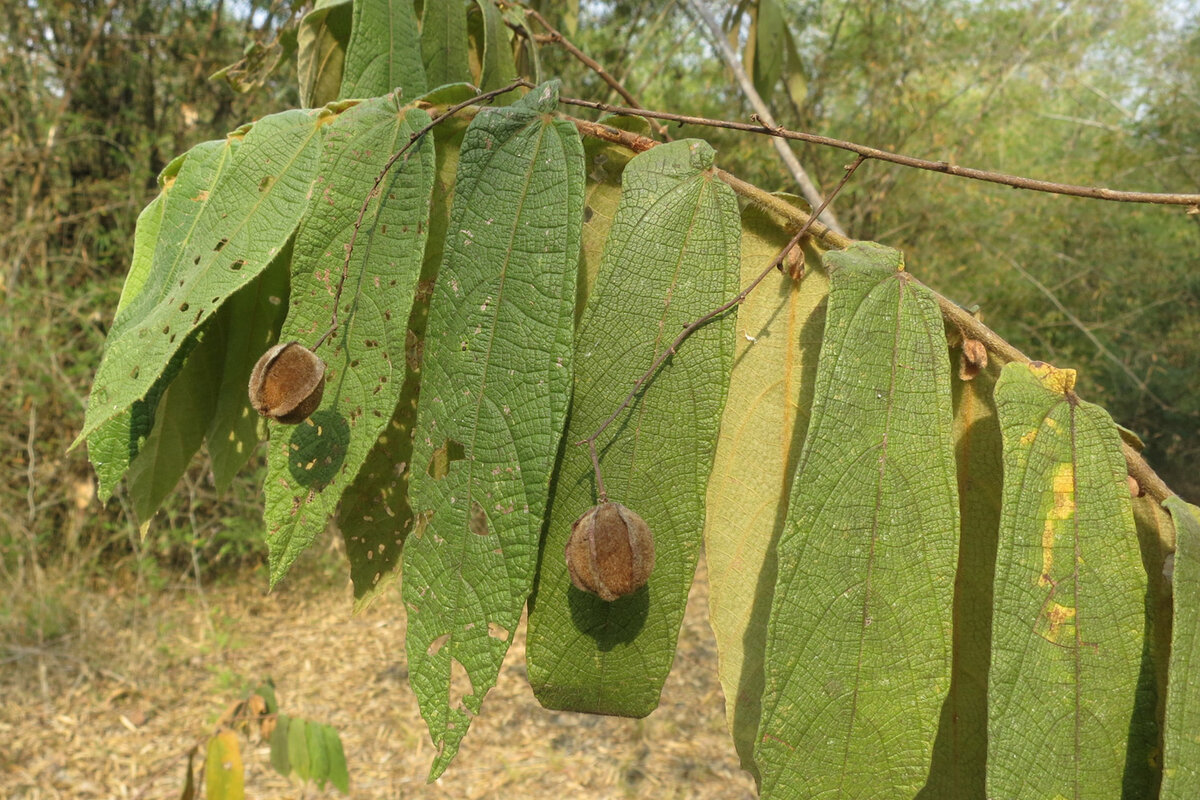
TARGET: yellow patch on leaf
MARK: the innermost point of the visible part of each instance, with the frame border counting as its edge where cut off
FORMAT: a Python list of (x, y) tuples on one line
[(1054, 379), (1062, 508)]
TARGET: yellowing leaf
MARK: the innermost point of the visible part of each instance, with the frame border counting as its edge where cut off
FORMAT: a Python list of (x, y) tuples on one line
[(779, 329)]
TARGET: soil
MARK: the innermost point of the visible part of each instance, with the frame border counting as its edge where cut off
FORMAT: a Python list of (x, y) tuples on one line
[(111, 709)]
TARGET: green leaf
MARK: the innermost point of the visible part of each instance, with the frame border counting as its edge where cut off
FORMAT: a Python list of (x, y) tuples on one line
[(297, 747), (223, 772), (266, 691), (858, 644), (182, 416), (444, 42), (672, 255), (794, 81), (769, 32), (375, 516), (114, 445), (1181, 757), (770, 393), (605, 163), (958, 767), (384, 51), (1069, 614), (322, 40), (338, 775), (145, 239), (311, 464), (248, 325), (239, 227), (318, 756), (280, 738), (497, 67), (497, 378)]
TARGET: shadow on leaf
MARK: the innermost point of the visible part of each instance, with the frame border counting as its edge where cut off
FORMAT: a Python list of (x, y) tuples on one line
[(318, 448), (610, 624)]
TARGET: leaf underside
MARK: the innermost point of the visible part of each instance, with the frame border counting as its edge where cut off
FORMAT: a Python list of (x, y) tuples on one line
[(495, 387), (311, 464), (1181, 758), (1068, 616), (779, 331), (858, 642), (672, 254)]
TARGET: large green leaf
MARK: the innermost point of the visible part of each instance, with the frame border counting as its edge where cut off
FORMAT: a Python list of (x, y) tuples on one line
[(114, 445), (1181, 757), (241, 224), (444, 42), (384, 51), (322, 39), (375, 515), (248, 324), (859, 639), (493, 403), (959, 761), (770, 393), (672, 255), (310, 465), (1069, 615)]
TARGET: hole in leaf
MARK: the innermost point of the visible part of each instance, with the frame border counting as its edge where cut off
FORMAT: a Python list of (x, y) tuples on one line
[(241, 262), (436, 644), (477, 523), (439, 462), (183, 307), (462, 692), (220, 244), (498, 631), (420, 523)]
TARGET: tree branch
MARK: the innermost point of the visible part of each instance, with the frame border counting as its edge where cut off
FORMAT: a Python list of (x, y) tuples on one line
[(944, 167), (793, 218), (807, 188)]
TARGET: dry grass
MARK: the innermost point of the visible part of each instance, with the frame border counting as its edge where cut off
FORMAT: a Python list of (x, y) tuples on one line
[(111, 710)]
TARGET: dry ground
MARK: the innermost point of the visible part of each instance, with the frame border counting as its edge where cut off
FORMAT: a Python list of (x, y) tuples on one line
[(110, 710)]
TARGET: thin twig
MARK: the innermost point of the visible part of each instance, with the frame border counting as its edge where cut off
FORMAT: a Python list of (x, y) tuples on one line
[(944, 167), (557, 37), (691, 327), (391, 162)]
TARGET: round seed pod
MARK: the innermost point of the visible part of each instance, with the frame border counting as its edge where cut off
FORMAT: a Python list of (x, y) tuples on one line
[(287, 383), (610, 552)]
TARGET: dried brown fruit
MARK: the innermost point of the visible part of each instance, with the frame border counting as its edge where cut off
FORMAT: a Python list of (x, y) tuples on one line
[(287, 383), (974, 359), (610, 552)]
